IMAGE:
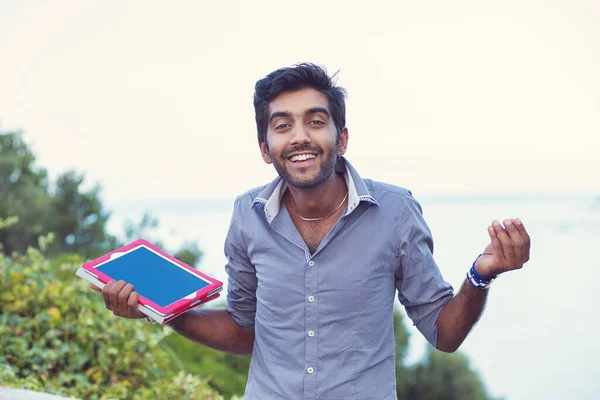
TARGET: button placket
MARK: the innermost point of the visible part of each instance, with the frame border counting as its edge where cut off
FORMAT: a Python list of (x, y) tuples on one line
[(311, 323)]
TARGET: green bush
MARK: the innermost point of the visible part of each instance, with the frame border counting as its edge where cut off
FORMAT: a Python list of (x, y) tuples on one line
[(441, 376), (56, 336), (225, 373)]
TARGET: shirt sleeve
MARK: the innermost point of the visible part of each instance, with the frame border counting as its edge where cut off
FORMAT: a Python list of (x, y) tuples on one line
[(242, 282), (421, 288)]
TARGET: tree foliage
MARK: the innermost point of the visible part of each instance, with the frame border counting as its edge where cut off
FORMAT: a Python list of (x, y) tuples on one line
[(76, 217), (23, 193), (226, 373), (440, 376), (56, 336), (445, 376)]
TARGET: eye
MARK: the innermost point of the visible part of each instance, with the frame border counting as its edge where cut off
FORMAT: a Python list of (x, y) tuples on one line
[(317, 122), (281, 127)]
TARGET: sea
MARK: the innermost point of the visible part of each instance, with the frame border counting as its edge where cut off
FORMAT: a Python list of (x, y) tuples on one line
[(538, 337)]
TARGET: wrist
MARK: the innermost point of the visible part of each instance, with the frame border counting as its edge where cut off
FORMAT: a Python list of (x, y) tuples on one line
[(478, 280)]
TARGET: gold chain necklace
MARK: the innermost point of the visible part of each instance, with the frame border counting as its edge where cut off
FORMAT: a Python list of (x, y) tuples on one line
[(320, 218)]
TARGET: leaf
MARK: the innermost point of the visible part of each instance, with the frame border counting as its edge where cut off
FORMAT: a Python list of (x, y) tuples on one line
[(8, 222), (96, 376), (80, 359), (113, 351)]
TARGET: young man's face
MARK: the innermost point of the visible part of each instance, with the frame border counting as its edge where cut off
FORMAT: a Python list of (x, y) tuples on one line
[(302, 138)]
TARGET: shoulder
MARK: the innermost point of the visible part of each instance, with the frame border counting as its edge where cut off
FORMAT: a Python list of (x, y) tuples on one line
[(386, 191), (242, 207), (245, 200), (250, 195), (394, 199)]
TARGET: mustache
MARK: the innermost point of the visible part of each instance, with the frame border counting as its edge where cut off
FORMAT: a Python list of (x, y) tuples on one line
[(302, 149)]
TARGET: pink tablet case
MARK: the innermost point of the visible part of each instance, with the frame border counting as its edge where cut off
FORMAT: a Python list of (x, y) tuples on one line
[(174, 308)]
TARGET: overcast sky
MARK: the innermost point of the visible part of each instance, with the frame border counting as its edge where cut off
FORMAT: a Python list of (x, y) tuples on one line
[(154, 99)]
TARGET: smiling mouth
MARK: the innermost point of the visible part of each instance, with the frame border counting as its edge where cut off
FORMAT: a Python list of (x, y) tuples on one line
[(302, 157)]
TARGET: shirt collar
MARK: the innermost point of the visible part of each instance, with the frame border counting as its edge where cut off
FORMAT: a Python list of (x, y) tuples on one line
[(358, 192)]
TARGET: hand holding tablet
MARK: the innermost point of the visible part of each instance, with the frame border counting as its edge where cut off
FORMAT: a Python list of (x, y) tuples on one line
[(161, 286), (120, 298)]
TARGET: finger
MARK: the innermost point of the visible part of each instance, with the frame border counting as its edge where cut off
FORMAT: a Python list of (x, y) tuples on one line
[(113, 296), (106, 293), (132, 306), (496, 245), (516, 239), (122, 299), (507, 245), (94, 287), (526, 239)]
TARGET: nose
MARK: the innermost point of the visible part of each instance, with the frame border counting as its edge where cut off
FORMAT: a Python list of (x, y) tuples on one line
[(300, 135)]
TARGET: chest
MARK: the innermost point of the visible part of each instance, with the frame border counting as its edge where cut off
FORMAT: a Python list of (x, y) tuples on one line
[(313, 232), (347, 280), (356, 258)]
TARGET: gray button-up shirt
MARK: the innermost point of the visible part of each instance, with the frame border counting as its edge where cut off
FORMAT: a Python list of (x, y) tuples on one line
[(323, 321)]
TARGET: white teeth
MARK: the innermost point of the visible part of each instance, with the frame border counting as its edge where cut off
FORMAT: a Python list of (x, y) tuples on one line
[(302, 157)]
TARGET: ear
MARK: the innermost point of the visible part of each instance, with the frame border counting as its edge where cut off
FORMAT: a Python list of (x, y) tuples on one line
[(343, 142), (264, 152)]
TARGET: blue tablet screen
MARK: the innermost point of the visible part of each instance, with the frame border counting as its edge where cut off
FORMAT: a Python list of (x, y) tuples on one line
[(153, 276)]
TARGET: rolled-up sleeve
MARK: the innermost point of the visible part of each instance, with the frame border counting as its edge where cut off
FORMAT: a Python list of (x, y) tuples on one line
[(421, 287), (242, 282)]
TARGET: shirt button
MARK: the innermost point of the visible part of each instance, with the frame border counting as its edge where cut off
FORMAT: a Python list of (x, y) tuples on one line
[(310, 370), (311, 263), (311, 333), (311, 298)]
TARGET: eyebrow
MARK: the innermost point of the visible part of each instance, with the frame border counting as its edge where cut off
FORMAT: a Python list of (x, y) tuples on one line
[(277, 114), (317, 110), (287, 114)]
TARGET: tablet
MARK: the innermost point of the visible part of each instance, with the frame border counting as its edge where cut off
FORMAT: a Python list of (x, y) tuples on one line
[(164, 283)]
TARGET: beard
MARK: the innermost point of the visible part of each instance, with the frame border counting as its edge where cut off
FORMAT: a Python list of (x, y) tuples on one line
[(306, 178)]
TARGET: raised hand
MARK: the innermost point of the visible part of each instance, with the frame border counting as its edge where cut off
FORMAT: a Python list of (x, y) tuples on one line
[(508, 251), (121, 299)]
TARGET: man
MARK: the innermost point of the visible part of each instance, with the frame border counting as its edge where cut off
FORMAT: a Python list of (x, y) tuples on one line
[(316, 256)]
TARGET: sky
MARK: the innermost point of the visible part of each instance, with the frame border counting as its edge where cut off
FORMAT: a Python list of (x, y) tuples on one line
[(153, 100)]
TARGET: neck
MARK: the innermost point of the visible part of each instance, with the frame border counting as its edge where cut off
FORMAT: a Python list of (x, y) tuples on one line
[(320, 200)]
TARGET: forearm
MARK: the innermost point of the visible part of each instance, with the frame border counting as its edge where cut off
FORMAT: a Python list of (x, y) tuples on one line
[(216, 329), (458, 316)]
